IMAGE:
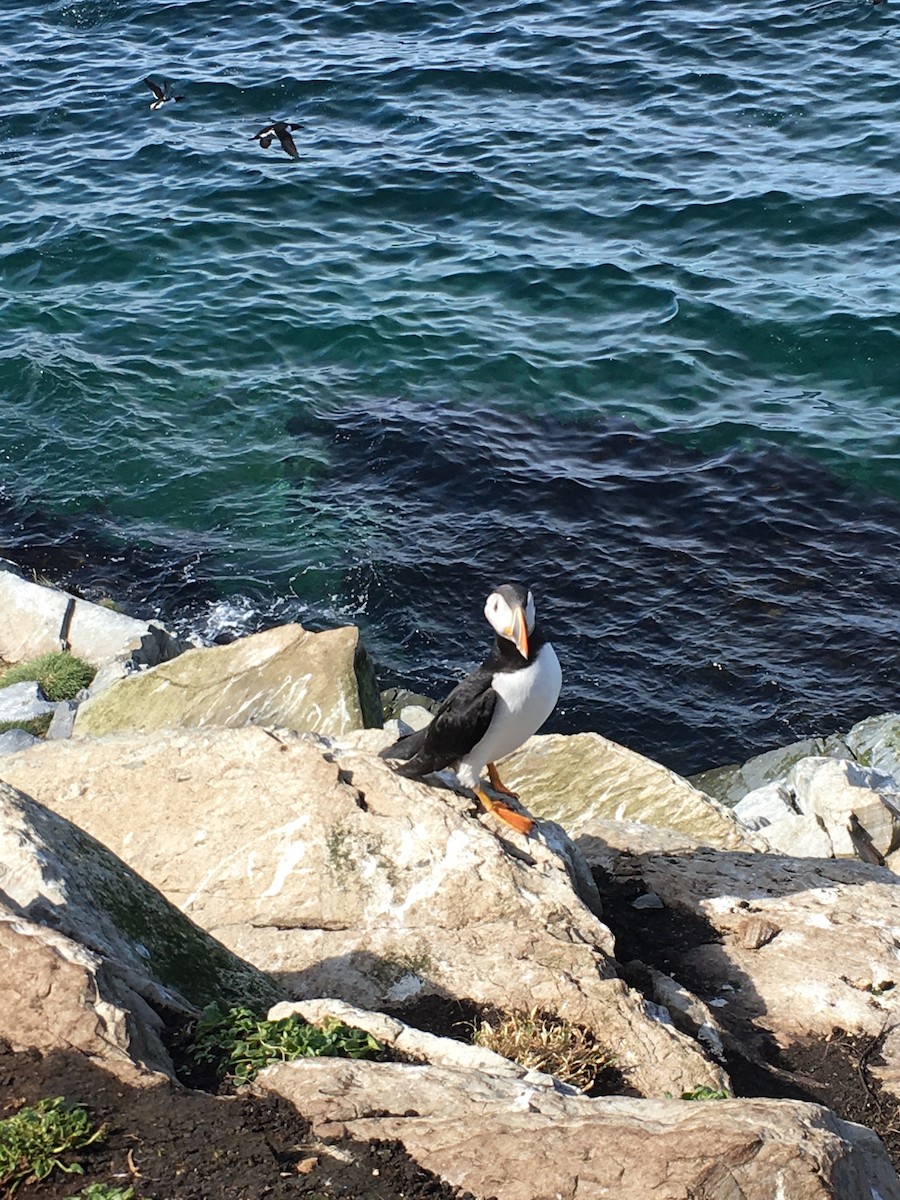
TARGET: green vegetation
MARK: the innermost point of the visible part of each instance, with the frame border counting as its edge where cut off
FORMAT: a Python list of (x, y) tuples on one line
[(705, 1093), (37, 726), (33, 1141), (549, 1044), (238, 1043), (60, 674), (103, 1191)]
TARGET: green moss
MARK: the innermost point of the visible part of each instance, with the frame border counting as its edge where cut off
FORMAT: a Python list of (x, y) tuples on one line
[(393, 966), (367, 685), (340, 855), (178, 953), (61, 675), (37, 726)]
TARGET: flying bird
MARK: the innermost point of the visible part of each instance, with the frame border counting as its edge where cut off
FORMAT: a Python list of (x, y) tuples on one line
[(494, 709), (163, 94), (282, 131)]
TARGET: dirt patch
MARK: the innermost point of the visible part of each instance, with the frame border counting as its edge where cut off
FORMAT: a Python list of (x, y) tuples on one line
[(834, 1072), (171, 1143)]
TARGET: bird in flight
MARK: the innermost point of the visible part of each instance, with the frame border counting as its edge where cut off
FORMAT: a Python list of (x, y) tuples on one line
[(282, 131), (162, 94)]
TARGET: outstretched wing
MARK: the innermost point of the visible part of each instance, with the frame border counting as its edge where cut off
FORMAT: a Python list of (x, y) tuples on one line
[(287, 142), (157, 91)]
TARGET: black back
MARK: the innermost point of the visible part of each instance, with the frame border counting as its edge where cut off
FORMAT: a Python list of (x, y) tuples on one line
[(463, 719)]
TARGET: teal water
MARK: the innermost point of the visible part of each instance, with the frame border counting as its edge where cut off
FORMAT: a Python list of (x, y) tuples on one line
[(604, 297)]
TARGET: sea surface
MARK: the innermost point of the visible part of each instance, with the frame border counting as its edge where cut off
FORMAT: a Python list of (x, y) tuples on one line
[(599, 296)]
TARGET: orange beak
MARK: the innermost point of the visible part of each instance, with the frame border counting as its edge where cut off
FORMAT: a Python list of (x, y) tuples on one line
[(518, 632)]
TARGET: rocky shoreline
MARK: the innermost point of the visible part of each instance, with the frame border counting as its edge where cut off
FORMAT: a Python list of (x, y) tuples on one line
[(215, 823)]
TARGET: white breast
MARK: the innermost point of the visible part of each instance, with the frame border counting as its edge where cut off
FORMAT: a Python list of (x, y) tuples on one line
[(525, 699)]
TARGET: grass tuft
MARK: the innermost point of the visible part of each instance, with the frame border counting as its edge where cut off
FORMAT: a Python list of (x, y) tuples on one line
[(60, 674), (37, 726), (34, 1140), (549, 1044), (238, 1044)]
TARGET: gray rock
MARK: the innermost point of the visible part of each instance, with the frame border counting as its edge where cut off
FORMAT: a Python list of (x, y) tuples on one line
[(32, 618), (414, 717), (15, 740), (63, 721), (798, 947), (393, 700), (732, 783), (23, 702), (827, 807), (875, 742)]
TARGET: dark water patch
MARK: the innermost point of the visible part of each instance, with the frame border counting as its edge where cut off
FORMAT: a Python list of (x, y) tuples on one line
[(703, 607), (88, 556)]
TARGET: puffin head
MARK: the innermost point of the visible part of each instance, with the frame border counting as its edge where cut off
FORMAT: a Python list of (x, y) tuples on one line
[(510, 612)]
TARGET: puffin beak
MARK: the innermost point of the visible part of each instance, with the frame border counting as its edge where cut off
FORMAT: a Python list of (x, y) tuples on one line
[(518, 631)]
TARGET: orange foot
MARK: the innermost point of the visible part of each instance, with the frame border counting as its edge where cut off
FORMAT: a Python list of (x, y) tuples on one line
[(497, 783), (516, 819)]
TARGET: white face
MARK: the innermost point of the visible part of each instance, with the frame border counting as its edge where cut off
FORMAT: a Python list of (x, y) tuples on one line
[(500, 614)]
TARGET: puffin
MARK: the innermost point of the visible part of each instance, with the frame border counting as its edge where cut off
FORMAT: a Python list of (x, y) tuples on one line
[(282, 131), (494, 709), (162, 95)]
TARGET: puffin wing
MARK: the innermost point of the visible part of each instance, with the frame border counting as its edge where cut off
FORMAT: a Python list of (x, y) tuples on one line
[(288, 144), (459, 724)]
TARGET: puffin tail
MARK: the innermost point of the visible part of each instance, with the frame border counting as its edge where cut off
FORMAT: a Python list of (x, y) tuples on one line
[(407, 747)]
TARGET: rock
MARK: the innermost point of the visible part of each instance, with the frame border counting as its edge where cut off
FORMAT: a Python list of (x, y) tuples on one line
[(794, 947), (410, 1043), (347, 880), (414, 717), (511, 1139), (15, 740), (63, 721), (874, 742), (394, 700), (730, 784), (285, 676), (580, 778), (91, 954), (32, 619), (23, 702), (827, 807)]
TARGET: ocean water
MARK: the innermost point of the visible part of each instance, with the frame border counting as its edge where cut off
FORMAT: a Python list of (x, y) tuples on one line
[(601, 297)]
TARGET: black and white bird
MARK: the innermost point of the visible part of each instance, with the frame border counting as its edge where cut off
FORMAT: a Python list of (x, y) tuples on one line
[(494, 709), (162, 93), (282, 131)]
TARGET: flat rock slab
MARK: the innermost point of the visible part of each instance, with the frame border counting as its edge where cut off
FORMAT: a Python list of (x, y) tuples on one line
[(285, 676), (316, 862), (505, 1138), (584, 777)]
